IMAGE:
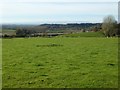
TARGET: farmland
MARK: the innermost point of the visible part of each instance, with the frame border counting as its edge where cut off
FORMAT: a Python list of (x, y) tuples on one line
[(8, 32), (60, 62), (85, 34)]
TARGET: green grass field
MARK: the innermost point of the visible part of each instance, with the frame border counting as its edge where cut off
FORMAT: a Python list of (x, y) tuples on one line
[(60, 62), (85, 34)]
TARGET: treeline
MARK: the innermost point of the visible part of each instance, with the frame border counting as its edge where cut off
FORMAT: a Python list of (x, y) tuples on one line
[(31, 32)]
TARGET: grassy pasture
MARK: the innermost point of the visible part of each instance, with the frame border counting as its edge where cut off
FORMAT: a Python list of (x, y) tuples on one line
[(85, 34), (60, 62)]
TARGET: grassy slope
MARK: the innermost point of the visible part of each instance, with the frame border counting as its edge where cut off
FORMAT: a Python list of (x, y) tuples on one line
[(80, 62), (85, 34)]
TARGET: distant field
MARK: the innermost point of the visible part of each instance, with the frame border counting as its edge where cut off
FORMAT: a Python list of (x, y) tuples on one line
[(60, 63), (8, 32), (85, 34)]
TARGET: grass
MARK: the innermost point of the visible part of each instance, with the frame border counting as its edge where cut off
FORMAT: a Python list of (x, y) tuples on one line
[(85, 34), (60, 63)]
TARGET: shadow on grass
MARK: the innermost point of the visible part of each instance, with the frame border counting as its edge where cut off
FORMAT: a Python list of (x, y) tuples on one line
[(50, 45)]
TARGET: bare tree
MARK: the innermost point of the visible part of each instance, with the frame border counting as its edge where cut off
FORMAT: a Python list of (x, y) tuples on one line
[(109, 26)]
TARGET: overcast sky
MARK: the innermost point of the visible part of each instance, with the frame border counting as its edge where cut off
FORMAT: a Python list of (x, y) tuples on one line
[(56, 11)]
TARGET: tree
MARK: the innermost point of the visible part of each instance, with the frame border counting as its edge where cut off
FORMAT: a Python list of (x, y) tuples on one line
[(23, 32), (118, 30), (109, 26)]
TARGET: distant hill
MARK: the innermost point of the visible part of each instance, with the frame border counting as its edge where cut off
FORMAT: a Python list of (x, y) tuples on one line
[(70, 27), (15, 26), (53, 26), (50, 28)]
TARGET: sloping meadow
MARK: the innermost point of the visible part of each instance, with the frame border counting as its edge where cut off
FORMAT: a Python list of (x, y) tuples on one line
[(60, 62)]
